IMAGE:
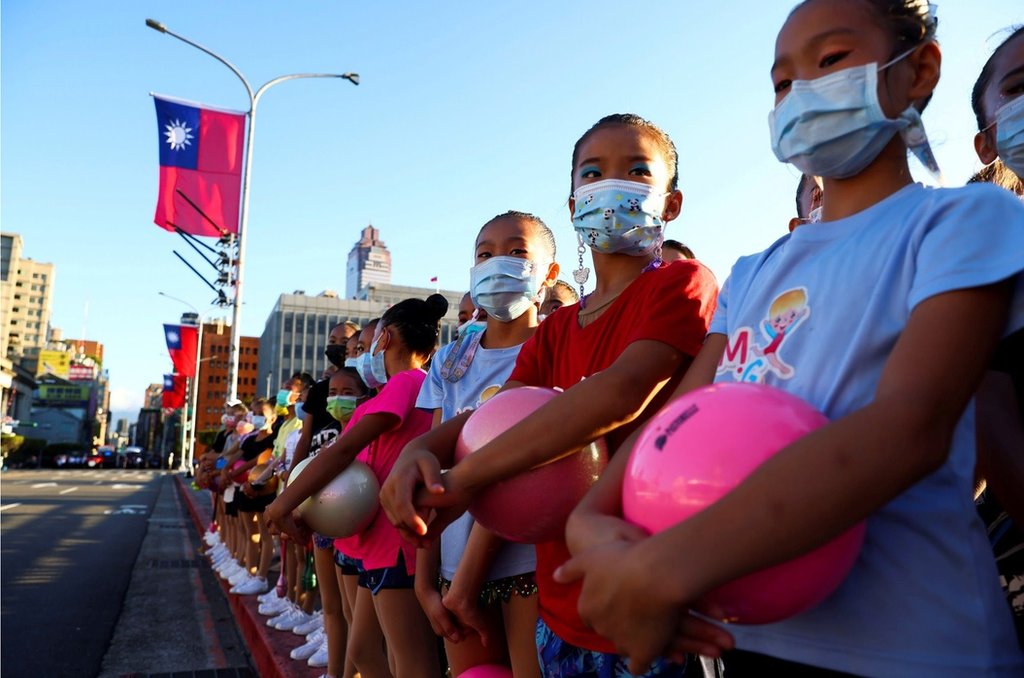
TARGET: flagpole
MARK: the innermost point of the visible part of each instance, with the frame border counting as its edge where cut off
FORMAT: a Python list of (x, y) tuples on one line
[(243, 218), (182, 424), (195, 401)]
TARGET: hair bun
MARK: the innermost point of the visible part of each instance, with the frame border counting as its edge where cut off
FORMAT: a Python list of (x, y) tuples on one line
[(437, 306)]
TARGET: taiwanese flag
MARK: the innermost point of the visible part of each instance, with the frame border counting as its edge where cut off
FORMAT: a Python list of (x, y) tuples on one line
[(174, 391), (182, 344), (200, 167)]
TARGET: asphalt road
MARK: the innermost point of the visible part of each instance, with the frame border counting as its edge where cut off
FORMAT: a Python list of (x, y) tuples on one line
[(70, 539)]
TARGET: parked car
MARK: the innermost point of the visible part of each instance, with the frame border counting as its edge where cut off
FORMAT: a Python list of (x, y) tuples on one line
[(134, 457), (94, 460)]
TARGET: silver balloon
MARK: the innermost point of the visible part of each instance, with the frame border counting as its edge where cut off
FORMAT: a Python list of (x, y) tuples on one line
[(345, 506)]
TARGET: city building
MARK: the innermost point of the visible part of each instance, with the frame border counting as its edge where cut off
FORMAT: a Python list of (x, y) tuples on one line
[(62, 412), (213, 373), (154, 397), (369, 262), (26, 300), (296, 330)]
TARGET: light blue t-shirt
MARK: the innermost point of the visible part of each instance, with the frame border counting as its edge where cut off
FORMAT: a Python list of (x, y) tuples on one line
[(484, 377), (818, 314)]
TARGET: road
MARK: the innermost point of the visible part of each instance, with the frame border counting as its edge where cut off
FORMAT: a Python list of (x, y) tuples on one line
[(73, 540)]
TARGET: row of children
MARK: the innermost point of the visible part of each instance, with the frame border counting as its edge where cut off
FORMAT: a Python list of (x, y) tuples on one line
[(895, 309)]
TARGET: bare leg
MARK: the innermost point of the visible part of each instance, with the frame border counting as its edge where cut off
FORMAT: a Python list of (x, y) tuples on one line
[(366, 639), (266, 547), (335, 626), (251, 552), (408, 632), (520, 615), (348, 584)]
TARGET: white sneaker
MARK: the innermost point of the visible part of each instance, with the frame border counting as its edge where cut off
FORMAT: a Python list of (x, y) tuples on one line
[(316, 621), (289, 623), (234, 587), (268, 597), (212, 538), (221, 559), (312, 644), (240, 576), (251, 586), (231, 570), (288, 611), (319, 658), (274, 607), (225, 563)]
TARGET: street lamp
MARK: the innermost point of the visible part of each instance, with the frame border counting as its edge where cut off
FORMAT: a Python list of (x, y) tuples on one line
[(236, 338)]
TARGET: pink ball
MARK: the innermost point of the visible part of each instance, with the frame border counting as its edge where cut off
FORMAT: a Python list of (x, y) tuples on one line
[(487, 671), (237, 475), (531, 507), (702, 446)]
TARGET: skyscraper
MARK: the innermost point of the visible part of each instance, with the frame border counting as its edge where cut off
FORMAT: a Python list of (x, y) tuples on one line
[(368, 262), (27, 300)]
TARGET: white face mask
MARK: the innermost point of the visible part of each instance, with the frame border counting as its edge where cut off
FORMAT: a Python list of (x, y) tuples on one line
[(834, 126), (505, 287), (1010, 135)]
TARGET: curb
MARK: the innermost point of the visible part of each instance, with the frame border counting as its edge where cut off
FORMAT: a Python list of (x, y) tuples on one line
[(268, 647)]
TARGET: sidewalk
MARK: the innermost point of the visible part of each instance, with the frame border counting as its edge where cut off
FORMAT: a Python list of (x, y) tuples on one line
[(268, 647), (174, 619)]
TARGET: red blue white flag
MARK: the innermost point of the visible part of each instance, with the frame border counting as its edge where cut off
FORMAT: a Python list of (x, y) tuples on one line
[(200, 167), (182, 344), (173, 396)]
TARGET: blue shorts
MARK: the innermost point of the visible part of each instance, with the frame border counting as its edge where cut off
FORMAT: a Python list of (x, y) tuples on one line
[(387, 577), (349, 566), (321, 542), (559, 659)]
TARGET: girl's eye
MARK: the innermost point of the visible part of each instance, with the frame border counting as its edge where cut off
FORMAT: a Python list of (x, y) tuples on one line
[(1014, 89), (641, 171), (590, 173), (782, 86), (483, 255), (832, 59), (518, 251)]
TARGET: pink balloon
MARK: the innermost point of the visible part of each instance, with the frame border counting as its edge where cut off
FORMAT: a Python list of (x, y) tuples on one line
[(702, 446), (487, 671), (236, 475), (531, 507)]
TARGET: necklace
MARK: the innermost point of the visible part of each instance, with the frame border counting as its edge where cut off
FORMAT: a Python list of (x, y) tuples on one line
[(655, 263)]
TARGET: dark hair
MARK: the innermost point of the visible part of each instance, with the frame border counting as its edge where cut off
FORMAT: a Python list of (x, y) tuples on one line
[(678, 247), (999, 174), (909, 23), (978, 92), (545, 233), (633, 120), (417, 321), (562, 285), (354, 374)]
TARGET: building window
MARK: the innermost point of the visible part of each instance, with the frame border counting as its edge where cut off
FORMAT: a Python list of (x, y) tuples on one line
[(287, 351), (287, 322)]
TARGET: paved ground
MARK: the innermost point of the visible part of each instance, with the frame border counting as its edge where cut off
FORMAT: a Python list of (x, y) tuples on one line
[(101, 576)]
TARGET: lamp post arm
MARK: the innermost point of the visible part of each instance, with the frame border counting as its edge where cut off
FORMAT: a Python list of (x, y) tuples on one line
[(156, 25), (351, 77)]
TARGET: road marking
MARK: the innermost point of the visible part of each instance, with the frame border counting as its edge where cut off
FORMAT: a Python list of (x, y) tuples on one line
[(38, 485), (125, 486), (70, 489), (7, 506), (127, 509)]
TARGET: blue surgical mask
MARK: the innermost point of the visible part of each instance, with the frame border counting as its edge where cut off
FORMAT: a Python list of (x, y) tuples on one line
[(619, 217), (300, 411), (1010, 135), (506, 287), (351, 362), (284, 398), (258, 421), (371, 367), (834, 126)]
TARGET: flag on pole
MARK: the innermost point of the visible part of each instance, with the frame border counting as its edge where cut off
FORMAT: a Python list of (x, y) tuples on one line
[(174, 391), (182, 344), (200, 167)]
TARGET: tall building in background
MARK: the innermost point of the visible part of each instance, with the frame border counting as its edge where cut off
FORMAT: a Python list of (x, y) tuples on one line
[(369, 263), (213, 373), (296, 331), (27, 300)]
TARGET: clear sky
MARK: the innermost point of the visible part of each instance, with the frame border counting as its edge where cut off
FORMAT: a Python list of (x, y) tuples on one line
[(465, 110)]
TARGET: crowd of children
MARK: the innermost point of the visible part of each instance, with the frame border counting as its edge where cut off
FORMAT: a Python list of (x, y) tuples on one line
[(895, 309)]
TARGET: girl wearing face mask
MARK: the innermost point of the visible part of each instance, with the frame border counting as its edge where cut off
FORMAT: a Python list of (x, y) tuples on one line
[(404, 340), (487, 587), (895, 280), (998, 102), (617, 355)]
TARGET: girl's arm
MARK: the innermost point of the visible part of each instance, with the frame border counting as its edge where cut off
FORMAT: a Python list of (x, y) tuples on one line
[(331, 461), (463, 598), (302, 445), (425, 588), (809, 492), (590, 409), (597, 519)]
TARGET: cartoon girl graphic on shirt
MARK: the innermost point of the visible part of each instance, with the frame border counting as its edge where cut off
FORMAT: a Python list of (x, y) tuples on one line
[(748, 361), (785, 313)]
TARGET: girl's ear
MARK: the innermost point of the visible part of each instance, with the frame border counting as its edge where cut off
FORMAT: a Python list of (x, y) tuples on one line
[(673, 205), (927, 62), (985, 149), (552, 277), (572, 208)]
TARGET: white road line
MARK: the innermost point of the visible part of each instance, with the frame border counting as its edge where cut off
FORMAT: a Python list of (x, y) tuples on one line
[(70, 489), (7, 506), (38, 485)]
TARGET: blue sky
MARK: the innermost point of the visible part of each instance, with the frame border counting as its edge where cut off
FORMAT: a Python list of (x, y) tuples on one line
[(464, 110)]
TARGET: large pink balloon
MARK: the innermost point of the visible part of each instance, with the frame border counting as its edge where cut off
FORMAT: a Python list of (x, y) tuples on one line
[(487, 671), (531, 507), (702, 446)]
